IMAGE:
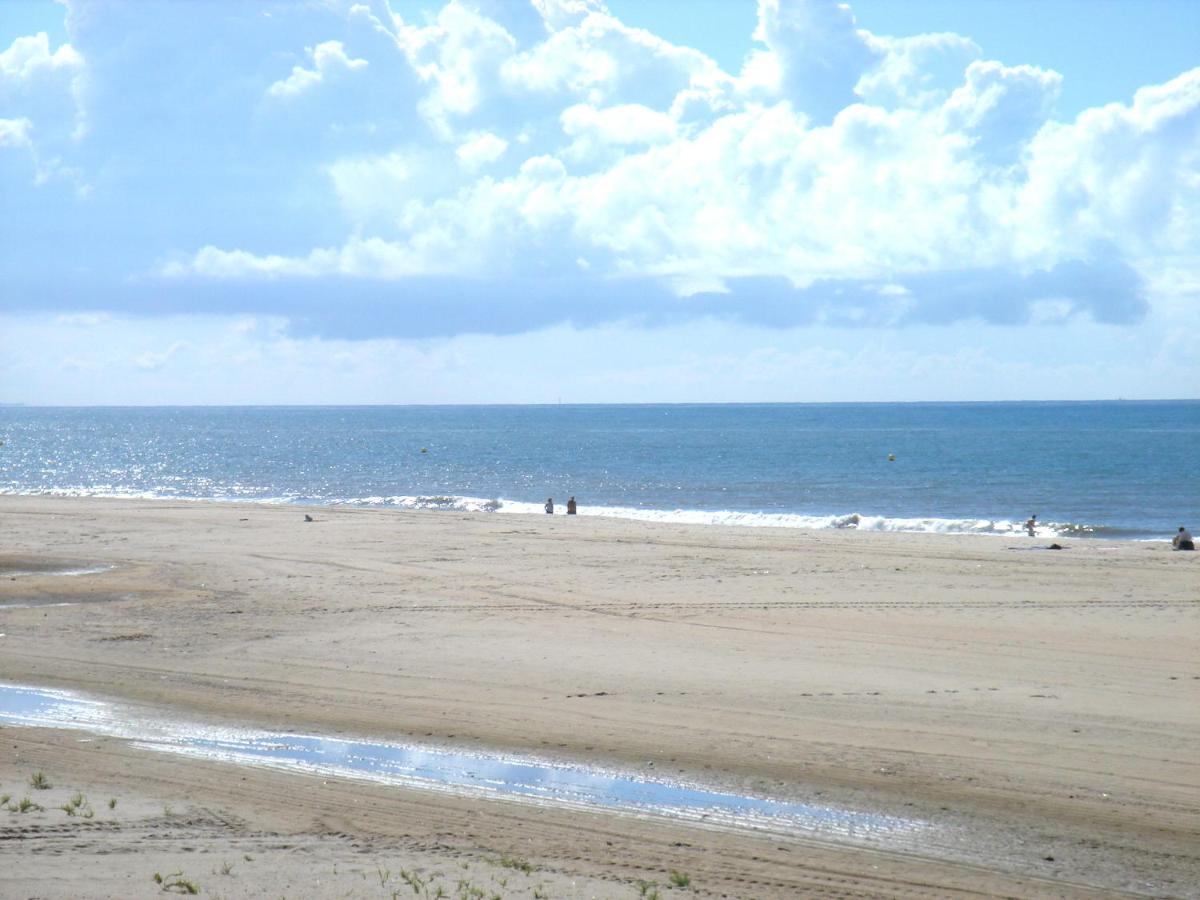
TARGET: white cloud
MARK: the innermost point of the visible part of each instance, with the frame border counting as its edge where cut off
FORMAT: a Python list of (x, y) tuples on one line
[(821, 54), (372, 187), (1120, 175), (40, 91), (1001, 107), (329, 58), (15, 132), (28, 57), (601, 61), (459, 57), (481, 149), (358, 257), (153, 360), (844, 170), (918, 71), (560, 14), (985, 179), (82, 320), (629, 124), (211, 262)]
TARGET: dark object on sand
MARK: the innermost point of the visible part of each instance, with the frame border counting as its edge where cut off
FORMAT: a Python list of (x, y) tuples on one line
[(1056, 547), (1183, 540), (308, 518)]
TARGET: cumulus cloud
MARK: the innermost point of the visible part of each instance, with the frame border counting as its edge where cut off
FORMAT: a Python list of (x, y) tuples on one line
[(820, 53), (601, 172), (358, 257), (559, 14), (15, 132), (481, 149), (919, 71), (40, 92), (1000, 107), (1120, 174), (30, 57), (458, 57), (909, 196), (329, 59), (626, 125), (600, 60)]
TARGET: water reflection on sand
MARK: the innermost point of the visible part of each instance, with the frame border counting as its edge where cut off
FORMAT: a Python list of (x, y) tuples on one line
[(437, 768)]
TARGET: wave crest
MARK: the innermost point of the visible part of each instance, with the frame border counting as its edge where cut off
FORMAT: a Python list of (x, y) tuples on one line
[(455, 503), (852, 521)]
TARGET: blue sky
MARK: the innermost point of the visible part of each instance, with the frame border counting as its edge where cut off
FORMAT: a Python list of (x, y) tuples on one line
[(621, 201)]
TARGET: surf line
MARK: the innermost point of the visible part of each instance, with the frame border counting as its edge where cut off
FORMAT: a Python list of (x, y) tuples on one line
[(474, 774)]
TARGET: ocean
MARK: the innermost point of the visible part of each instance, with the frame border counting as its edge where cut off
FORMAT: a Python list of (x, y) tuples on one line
[(1124, 470)]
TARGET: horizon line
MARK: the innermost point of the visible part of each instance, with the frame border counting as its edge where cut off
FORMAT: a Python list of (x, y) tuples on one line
[(18, 405)]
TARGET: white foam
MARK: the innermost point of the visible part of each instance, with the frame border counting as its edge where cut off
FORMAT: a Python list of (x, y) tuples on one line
[(444, 502), (455, 503), (853, 521)]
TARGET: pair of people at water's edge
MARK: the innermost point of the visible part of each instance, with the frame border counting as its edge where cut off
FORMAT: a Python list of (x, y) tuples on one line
[(572, 508)]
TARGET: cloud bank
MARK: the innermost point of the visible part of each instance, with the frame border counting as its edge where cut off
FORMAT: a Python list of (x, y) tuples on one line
[(499, 167)]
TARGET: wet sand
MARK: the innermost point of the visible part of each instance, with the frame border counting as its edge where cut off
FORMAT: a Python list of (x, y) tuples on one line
[(1040, 708)]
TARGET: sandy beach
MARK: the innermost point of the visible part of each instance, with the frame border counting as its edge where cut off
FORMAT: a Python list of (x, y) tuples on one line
[(1040, 709)]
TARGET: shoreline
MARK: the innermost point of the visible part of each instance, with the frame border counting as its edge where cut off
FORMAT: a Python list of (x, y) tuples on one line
[(1042, 703), (707, 518)]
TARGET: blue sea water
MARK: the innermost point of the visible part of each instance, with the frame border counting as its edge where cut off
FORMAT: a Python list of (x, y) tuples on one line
[(1107, 469)]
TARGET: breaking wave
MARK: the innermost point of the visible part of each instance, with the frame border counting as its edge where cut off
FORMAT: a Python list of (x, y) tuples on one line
[(455, 503), (852, 521)]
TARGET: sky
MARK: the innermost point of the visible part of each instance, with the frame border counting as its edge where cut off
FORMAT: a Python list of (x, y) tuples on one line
[(542, 201)]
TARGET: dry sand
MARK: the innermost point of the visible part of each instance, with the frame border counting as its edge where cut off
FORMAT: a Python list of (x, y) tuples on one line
[(1041, 708)]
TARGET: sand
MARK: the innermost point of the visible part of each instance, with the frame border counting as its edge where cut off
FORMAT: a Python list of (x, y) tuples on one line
[(1040, 708)]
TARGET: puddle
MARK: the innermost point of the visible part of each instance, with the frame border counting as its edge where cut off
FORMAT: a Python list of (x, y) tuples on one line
[(435, 768), (36, 593), (17, 567), (11, 567), (59, 600)]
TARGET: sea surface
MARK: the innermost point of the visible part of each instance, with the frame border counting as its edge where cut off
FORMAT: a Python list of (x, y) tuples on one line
[(1124, 470)]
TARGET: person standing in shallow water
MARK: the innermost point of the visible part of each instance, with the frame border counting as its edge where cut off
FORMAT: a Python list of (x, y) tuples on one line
[(1183, 540), (572, 509), (549, 506), (1031, 525)]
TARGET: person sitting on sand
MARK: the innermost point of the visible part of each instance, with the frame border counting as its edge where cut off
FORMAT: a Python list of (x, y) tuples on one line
[(1183, 540), (572, 509), (549, 506), (1031, 525)]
